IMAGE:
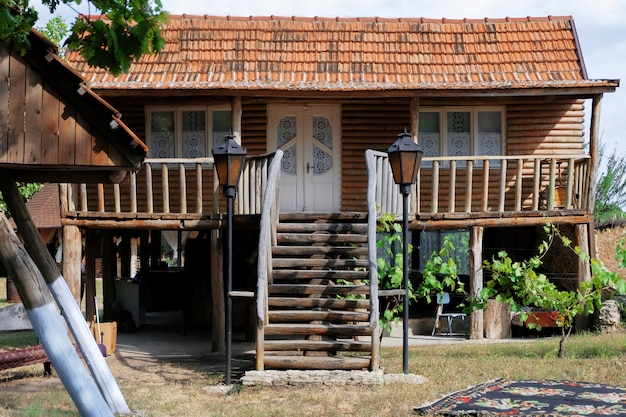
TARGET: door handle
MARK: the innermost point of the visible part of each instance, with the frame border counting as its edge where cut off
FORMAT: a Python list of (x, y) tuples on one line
[(308, 167)]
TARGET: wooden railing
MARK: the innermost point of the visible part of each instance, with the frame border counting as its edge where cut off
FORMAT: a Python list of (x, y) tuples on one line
[(176, 186), (267, 238), (488, 184), (378, 171)]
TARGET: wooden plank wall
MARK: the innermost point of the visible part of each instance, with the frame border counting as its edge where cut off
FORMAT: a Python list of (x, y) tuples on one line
[(534, 126), (367, 125), (38, 127)]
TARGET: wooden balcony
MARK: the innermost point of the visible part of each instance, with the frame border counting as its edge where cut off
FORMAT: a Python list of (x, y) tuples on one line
[(488, 186), (182, 193), (172, 193)]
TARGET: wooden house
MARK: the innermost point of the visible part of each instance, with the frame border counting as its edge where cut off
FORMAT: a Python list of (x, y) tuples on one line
[(498, 105)]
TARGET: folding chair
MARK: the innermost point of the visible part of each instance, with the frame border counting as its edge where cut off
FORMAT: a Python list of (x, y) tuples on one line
[(443, 300)]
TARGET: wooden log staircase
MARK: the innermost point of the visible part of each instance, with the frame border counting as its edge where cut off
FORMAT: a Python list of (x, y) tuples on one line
[(319, 298)]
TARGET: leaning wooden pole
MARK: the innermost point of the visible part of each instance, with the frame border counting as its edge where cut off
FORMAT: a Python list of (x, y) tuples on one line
[(48, 325), (63, 297)]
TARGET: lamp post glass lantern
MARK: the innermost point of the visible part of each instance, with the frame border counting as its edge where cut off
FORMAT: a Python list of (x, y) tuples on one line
[(405, 157), (229, 159)]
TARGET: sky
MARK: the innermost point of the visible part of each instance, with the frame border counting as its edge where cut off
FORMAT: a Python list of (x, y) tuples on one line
[(601, 27)]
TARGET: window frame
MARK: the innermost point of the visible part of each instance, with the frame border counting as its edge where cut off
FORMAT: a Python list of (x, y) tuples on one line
[(474, 137), (178, 126)]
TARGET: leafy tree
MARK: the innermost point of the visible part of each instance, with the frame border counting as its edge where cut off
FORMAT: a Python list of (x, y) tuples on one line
[(128, 29), (519, 285), (611, 186), (56, 30)]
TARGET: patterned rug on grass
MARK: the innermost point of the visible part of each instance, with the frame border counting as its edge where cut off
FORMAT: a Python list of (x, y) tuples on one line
[(524, 398)]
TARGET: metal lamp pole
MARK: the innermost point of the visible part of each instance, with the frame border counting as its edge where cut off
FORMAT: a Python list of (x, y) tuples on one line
[(229, 160), (405, 157)]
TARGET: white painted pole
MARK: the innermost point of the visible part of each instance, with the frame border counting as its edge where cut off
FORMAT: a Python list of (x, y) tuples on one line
[(64, 298), (49, 326)]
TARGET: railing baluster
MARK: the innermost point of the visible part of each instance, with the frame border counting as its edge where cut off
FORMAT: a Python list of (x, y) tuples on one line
[(485, 198), (116, 198), (536, 184), (101, 198), (452, 193), (165, 186), (518, 185), (435, 196), (149, 192), (198, 188), (469, 184), (183, 188), (503, 166), (133, 192), (569, 202), (83, 197), (552, 183)]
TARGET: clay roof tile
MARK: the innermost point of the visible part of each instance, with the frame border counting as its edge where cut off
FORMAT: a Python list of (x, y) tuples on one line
[(285, 53)]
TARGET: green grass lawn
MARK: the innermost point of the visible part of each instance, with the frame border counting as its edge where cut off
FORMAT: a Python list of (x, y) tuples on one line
[(178, 388)]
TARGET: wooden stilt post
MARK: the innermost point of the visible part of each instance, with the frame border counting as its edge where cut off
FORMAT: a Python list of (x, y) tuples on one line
[(72, 255), (66, 302), (476, 278), (90, 273), (109, 270), (218, 330), (48, 325)]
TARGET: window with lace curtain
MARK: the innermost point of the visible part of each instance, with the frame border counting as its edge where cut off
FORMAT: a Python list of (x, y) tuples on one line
[(185, 132), (461, 131)]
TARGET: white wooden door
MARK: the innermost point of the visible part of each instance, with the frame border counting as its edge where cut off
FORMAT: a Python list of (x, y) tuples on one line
[(309, 136)]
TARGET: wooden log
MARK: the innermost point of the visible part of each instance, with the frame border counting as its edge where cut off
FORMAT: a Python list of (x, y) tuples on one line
[(72, 256), (497, 320), (48, 325), (476, 277), (64, 298)]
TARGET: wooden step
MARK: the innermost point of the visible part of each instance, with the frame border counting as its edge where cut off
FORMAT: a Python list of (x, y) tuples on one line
[(328, 238), (303, 316), (316, 362), (304, 289), (331, 303), (353, 216), (321, 227), (317, 329), (302, 251), (307, 274), (317, 345), (319, 263)]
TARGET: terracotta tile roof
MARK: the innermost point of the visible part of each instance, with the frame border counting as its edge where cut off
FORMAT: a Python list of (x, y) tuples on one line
[(44, 207), (352, 54)]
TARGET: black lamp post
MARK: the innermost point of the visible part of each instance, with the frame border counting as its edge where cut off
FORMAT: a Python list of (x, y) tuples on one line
[(229, 160), (405, 157)]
